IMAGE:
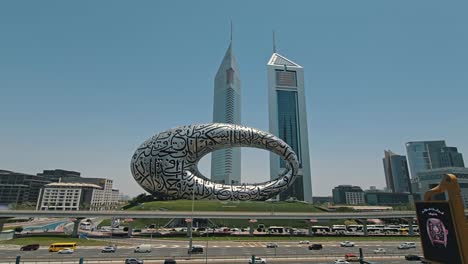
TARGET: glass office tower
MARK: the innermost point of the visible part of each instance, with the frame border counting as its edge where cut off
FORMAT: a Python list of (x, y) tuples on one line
[(396, 172), (288, 120), (424, 155)]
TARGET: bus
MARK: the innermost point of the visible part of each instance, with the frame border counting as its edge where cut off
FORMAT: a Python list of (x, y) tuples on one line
[(391, 230), (354, 228), (59, 246), (277, 230), (339, 229), (320, 229)]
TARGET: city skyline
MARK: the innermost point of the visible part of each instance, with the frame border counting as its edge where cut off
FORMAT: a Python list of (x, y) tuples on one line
[(84, 84)]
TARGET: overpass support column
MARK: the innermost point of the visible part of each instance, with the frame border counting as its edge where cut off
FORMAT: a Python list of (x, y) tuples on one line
[(251, 226), (311, 223), (129, 232), (189, 228), (2, 222), (410, 226), (76, 224), (189, 234), (364, 228)]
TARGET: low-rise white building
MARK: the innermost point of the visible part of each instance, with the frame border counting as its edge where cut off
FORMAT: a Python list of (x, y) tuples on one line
[(105, 199), (66, 196), (94, 194)]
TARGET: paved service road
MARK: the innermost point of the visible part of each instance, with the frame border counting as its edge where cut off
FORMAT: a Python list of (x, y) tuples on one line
[(218, 249)]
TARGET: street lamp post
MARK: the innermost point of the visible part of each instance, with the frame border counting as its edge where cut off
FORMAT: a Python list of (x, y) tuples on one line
[(190, 222), (206, 249)]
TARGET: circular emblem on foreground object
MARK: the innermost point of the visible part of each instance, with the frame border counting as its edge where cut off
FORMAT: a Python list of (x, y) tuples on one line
[(166, 164)]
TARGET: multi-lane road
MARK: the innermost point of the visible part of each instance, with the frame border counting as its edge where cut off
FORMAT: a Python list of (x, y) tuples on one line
[(238, 252)]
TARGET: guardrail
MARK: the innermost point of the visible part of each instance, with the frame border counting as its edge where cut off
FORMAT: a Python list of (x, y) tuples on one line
[(206, 214)]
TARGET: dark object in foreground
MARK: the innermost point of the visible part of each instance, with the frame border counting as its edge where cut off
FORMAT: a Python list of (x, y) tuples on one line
[(30, 247), (412, 257), (170, 261)]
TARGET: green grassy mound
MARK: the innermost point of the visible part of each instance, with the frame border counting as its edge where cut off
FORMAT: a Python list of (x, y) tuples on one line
[(186, 205)]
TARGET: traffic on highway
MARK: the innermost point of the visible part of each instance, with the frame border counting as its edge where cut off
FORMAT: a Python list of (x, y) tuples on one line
[(177, 250)]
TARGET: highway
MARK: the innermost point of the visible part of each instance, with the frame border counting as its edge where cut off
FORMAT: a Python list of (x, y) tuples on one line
[(220, 249)]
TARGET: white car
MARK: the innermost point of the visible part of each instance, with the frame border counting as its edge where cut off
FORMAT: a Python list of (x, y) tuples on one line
[(341, 261), (258, 261), (380, 250), (347, 244), (410, 244), (404, 246), (66, 251), (304, 242)]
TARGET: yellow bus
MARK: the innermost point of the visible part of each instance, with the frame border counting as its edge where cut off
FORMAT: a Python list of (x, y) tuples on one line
[(403, 231), (59, 246)]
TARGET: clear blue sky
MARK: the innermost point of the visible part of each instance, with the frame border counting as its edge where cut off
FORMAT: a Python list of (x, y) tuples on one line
[(83, 83)]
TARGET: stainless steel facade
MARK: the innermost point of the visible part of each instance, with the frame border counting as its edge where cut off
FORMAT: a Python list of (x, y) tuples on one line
[(167, 163)]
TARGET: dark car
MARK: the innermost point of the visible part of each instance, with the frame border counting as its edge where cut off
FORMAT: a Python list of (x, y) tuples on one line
[(271, 245), (423, 260), (412, 257), (30, 247), (170, 261), (196, 250), (315, 247), (133, 261)]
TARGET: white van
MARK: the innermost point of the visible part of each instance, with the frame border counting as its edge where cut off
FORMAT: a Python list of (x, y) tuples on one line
[(407, 245), (144, 248), (411, 244)]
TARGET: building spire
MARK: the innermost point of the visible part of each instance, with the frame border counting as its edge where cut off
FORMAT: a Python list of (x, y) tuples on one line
[(274, 42), (231, 32)]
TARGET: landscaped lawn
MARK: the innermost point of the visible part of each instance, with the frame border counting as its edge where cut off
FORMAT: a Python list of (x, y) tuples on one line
[(47, 240), (251, 206)]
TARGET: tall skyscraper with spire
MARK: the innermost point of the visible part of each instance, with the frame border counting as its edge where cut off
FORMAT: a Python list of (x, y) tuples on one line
[(226, 163), (288, 120)]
